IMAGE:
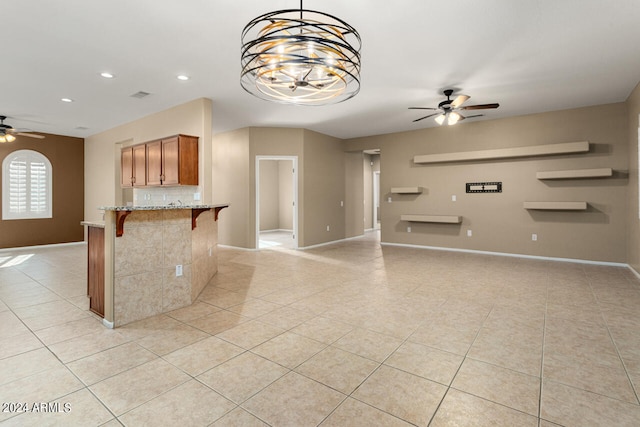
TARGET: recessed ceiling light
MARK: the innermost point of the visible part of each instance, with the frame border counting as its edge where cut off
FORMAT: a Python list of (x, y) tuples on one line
[(66, 100), (183, 77), (107, 75)]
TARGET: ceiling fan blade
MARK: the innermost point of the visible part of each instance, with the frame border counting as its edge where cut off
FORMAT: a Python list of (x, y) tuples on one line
[(422, 108), (469, 117), (426, 117), (480, 106), (30, 135), (459, 100)]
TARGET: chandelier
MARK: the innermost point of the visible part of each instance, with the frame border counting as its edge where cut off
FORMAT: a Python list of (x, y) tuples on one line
[(300, 56)]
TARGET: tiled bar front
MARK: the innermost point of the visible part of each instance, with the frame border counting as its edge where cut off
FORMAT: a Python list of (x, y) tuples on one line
[(145, 257)]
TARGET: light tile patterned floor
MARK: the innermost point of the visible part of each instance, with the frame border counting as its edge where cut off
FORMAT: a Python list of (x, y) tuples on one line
[(348, 334)]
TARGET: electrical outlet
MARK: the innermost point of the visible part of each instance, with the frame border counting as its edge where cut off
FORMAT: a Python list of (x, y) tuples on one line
[(534, 237), (469, 233), (389, 199), (408, 229), (454, 198), (196, 196), (178, 270), (341, 203), (328, 228), (210, 251)]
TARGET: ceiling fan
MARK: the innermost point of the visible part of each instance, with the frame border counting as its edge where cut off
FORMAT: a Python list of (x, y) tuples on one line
[(449, 109), (8, 133)]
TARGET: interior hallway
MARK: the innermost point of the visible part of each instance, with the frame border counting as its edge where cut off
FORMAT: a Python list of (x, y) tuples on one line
[(346, 334)]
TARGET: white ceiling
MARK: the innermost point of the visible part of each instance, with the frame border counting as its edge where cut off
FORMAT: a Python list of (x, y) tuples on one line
[(530, 56)]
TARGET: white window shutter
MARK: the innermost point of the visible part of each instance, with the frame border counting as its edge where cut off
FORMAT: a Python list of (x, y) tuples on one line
[(27, 186)]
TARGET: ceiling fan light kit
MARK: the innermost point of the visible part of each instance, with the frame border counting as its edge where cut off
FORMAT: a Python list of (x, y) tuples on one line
[(301, 57), (6, 138), (7, 132), (448, 109)]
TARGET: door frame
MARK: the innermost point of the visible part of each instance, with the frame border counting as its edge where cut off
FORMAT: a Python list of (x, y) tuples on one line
[(376, 199), (294, 160)]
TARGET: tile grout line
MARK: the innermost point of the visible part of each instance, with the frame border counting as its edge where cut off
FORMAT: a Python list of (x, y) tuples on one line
[(615, 344), (464, 358), (544, 337)]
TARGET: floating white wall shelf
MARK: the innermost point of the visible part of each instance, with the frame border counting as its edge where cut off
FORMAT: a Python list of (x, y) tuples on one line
[(406, 190), (576, 174), (446, 219), (556, 206), (505, 153)]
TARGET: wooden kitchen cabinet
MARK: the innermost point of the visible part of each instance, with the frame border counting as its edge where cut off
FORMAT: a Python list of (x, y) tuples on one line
[(168, 161), (154, 162), (95, 271), (133, 166), (173, 161)]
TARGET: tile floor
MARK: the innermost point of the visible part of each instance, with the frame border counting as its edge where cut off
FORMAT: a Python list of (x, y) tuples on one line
[(276, 239), (349, 334)]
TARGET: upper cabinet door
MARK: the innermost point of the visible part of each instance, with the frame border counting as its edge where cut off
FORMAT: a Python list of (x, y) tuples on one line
[(170, 161), (154, 163), (126, 167), (187, 160), (139, 166)]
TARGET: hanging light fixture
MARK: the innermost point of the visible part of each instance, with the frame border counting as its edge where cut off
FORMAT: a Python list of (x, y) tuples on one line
[(300, 56)]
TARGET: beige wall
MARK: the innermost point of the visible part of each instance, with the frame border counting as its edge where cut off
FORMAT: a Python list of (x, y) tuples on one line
[(321, 182), (354, 194), (269, 195), (102, 152), (633, 233), (234, 177), (285, 196), (498, 221), (274, 142), (324, 184), (231, 182)]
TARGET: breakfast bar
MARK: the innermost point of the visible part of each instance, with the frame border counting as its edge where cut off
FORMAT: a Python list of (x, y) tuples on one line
[(156, 259)]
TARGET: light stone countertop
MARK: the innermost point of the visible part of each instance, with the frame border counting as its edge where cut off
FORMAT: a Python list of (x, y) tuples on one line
[(97, 224), (161, 207)]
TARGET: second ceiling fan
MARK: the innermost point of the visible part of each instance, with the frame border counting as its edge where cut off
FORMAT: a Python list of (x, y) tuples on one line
[(449, 109)]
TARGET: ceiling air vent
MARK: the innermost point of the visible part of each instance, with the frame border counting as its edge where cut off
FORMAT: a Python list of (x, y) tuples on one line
[(140, 94)]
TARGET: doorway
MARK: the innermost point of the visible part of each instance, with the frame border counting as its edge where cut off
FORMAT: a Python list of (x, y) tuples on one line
[(276, 202)]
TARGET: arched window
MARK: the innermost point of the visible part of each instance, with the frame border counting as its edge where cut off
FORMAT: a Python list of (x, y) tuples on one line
[(26, 185)]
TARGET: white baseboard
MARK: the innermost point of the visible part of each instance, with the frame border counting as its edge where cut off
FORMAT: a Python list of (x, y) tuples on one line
[(238, 248), (633, 270), (52, 245), (331, 242), (506, 254)]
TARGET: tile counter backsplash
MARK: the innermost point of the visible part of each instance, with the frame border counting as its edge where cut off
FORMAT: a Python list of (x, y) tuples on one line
[(159, 196)]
